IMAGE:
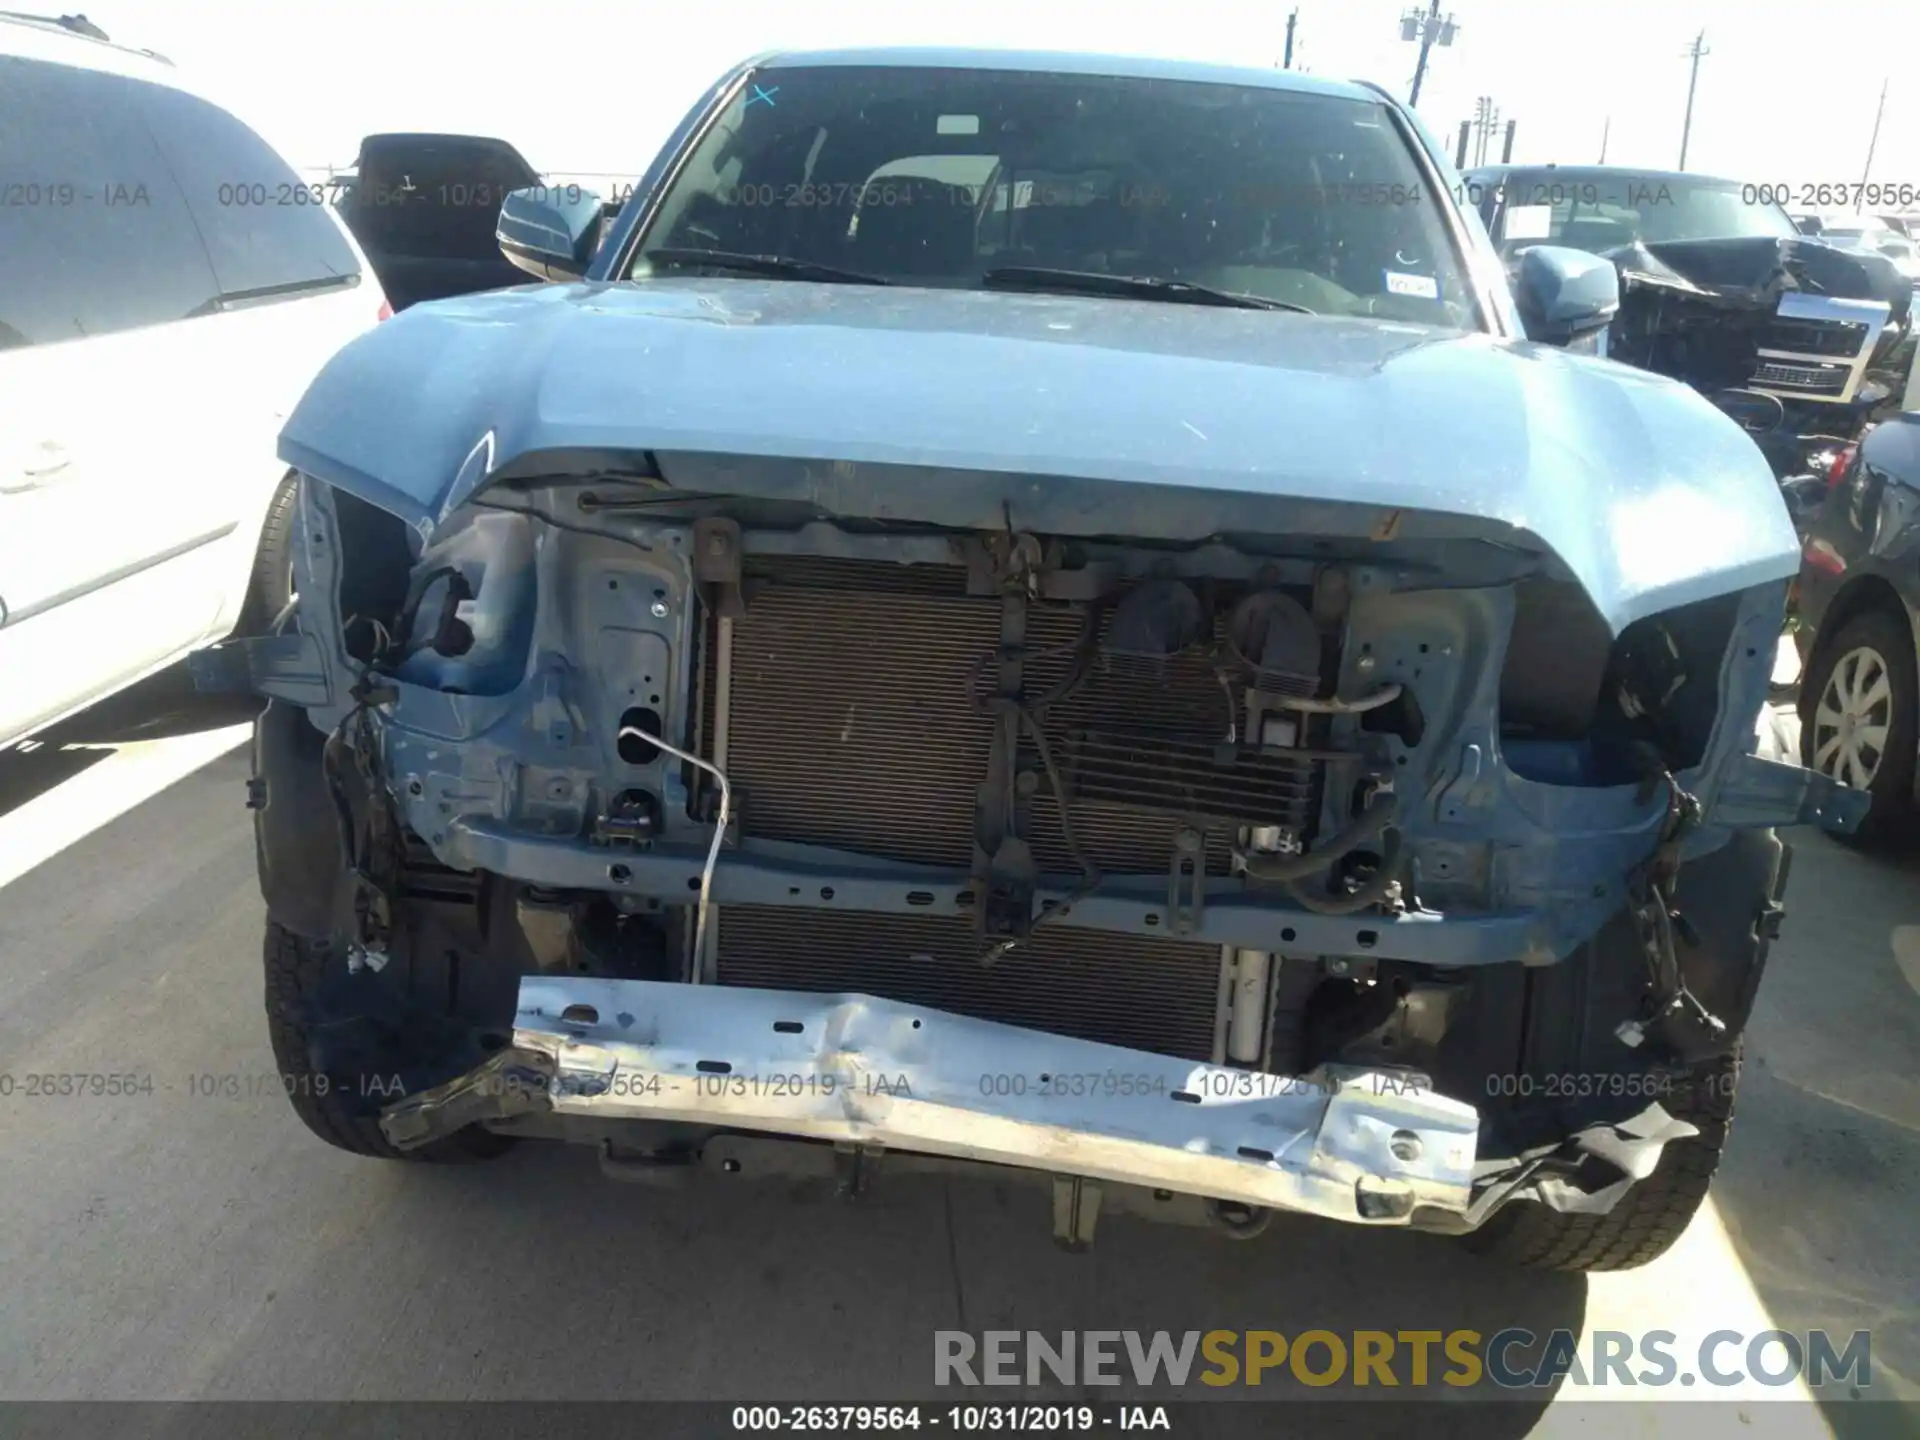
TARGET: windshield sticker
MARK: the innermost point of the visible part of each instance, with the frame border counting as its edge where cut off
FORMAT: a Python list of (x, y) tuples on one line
[(957, 125), (1529, 222), (1423, 287)]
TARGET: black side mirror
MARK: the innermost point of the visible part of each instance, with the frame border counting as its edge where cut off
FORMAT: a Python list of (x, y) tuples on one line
[(550, 231), (1564, 294)]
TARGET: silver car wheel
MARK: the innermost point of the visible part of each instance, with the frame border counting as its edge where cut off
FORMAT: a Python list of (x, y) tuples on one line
[(1851, 721)]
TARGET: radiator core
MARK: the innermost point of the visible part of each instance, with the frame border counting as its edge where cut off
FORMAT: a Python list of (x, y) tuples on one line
[(851, 724)]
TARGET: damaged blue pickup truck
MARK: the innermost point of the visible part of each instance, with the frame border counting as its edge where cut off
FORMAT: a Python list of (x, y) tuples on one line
[(1037, 613)]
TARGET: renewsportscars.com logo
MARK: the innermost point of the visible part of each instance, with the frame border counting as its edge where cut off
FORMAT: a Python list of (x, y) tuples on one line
[(1509, 1358)]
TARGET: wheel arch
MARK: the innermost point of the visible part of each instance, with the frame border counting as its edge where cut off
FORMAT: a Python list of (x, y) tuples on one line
[(1872, 591), (1870, 594)]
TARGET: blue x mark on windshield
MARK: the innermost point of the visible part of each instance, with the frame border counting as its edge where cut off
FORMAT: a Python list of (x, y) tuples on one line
[(766, 95)]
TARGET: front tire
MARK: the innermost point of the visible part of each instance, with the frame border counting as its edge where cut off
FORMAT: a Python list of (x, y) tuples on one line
[(270, 590), (1650, 1216), (1732, 898), (1858, 721), (329, 1104)]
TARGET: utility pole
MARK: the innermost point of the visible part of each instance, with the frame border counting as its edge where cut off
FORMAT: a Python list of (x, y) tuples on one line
[(1860, 199), (1486, 115), (1429, 29), (1605, 131), (1293, 17), (1696, 50)]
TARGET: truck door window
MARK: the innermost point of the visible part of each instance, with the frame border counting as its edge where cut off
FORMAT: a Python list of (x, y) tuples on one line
[(435, 197)]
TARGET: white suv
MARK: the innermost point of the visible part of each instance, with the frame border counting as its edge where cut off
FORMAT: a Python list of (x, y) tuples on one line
[(168, 287)]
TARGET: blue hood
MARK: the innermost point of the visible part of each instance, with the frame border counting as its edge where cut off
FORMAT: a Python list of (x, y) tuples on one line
[(1648, 495)]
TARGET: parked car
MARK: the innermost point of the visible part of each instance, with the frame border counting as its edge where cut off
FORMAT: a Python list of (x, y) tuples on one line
[(168, 288), (425, 208), (1803, 341), (1878, 239), (1011, 620), (1859, 596)]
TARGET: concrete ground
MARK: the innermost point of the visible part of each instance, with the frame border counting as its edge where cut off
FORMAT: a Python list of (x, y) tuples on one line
[(183, 1245)]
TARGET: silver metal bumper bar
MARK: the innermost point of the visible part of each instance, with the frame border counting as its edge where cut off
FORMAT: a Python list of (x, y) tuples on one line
[(1349, 1144)]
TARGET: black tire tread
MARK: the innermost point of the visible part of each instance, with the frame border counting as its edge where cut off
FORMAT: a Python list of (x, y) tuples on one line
[(267, 586), (293, 970), (1649, 1218)]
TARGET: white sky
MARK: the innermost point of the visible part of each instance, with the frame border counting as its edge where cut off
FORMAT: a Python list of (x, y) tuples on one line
[(580, 86)]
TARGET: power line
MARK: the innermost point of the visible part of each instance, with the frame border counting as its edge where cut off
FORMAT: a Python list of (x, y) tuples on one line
[(1486, 119), (1867, 174)]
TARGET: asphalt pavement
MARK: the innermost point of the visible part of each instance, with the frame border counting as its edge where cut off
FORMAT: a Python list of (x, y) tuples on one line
[(193, 1241)]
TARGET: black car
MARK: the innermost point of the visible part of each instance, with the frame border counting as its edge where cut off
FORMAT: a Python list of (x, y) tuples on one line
[(1859, 596)]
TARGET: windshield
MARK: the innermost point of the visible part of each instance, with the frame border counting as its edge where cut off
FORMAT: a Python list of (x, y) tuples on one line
[(936, 177), (1600, 211)]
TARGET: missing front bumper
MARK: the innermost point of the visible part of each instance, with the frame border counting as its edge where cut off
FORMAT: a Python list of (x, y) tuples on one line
[(1368, 1146)]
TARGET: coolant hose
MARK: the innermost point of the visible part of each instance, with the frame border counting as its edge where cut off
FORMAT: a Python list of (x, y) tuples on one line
[(1365, 826), (1367, 896)]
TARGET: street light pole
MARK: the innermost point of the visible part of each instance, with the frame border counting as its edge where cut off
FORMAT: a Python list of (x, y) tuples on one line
[(1698, 49), (1293, 17)]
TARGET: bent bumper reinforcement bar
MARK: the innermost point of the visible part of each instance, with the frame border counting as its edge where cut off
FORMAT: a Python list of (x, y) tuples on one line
[(1362, 1145)]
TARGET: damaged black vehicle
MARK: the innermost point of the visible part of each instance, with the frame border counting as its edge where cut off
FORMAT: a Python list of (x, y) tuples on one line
[(1032, 612), (1801, 341)]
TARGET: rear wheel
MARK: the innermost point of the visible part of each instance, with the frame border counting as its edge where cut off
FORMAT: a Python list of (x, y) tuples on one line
[(1858, 720), (342, 1109)]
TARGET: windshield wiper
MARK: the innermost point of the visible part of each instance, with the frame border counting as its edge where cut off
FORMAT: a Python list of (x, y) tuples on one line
[(783, 267), (1131, 287)]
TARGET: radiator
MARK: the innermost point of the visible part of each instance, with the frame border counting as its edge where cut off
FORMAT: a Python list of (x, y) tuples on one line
[(1148, 994), (850, 725)]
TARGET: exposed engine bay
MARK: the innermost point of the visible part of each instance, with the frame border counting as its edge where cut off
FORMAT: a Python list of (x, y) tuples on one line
[(1283, 824)]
